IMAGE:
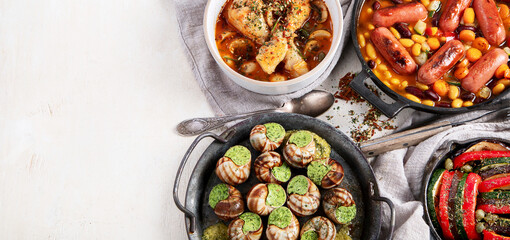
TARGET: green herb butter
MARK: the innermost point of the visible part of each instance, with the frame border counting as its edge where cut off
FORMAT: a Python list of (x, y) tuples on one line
[(252, 222), (274, 131), (310, 235), (218, 193), (343, 233), (298, 185), (301, 138), (280, 217), (322, 147), (345, 214), (276, 195), (316, 171), (240, 155), (281, 173), (217, 231)]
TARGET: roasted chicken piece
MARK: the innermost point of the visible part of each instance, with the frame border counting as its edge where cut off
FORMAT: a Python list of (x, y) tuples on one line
[(247, 16)]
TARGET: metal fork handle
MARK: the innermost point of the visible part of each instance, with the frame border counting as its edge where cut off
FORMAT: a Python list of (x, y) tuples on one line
[(197, 126)]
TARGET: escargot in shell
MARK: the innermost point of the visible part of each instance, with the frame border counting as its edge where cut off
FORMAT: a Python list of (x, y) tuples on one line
[(263, 198), (327, 173), (299, 149), (282, 225), (226, 201), (304, 196), (339, 205), (267, 137), (270, 168), (234, 167), (318, 228), (247, 227)]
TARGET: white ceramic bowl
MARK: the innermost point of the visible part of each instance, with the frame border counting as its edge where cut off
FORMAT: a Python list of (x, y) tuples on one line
[(212, 10)]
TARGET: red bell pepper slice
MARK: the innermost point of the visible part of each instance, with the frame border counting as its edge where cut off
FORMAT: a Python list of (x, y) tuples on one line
[(469, 205), (495, 209), (467, 157), (449, 36), (491, 184), (490, 235), (444, 192)]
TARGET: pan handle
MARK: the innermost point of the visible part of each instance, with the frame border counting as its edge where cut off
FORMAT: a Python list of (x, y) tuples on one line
[(188, 213), (390, 110), (377, 197)]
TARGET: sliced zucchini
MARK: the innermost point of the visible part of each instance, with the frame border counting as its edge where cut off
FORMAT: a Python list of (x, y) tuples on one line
[(495, 195), (491, 163), (420, 27), (433, 196), (458, 212)]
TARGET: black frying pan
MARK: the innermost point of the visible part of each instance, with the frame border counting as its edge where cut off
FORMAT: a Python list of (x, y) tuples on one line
[(359, 178), (391, 109)]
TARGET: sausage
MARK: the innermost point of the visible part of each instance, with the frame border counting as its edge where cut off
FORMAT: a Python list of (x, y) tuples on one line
[(441, 62), (483, 69), (490, 22), (453, 10), (407, 13), (393, 51)]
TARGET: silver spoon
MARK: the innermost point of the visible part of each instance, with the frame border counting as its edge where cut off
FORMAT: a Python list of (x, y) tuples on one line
[(312, 104)]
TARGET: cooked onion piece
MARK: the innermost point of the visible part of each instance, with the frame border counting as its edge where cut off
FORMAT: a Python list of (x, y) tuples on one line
[(226, 201), (339, 205), (267, 137), (282, 225), (247, 227), (320, 34), (299, 149), (271, 169), (263, 198), (234, 167), (304, 196), (327, 173), (319, 228)]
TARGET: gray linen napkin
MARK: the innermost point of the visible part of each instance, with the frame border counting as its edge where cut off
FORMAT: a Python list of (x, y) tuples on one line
[(400, 172), (225, 96)]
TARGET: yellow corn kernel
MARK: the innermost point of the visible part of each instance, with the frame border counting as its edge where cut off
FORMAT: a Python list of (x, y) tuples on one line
[(463, 63), (406, 42), (453, 92), (422, 86), (418, 38), (500, 71), (370, 11), (505, 82), (416, 50), (412, 97), (425, 3), (371, 27), (382, 67), (467, 104), (467, 35), (498, 89), (367, 35), (387, 74), (473, 54), (428, 102), (457, 103), (395, 81), (361, 40), (503, 10), (403, 85), (461, 73), (433, 43), (378, 61), (371, 51), (395, 32), (469, 16)]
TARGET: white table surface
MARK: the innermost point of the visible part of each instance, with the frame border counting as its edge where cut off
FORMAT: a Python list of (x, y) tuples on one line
[(90, 94)]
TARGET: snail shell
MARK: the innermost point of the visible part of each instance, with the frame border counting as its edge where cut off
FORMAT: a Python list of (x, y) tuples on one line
[(264, 165), (229, 172), (333, 177), (335, 198), (291, 232), (235, 231), (324, 228), (231, 207), (306, 204), (296, 156), (260, 141), (256, 200)]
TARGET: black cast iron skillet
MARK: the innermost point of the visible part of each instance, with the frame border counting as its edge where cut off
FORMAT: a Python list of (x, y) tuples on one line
[(359, 178), (391, 109), (438, 162)]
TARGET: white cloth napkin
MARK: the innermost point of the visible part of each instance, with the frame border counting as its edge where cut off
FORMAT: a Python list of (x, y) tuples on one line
[(400, 173), (224, 96)]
